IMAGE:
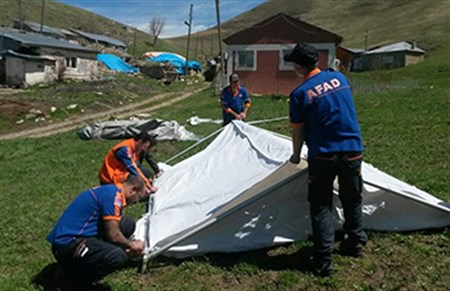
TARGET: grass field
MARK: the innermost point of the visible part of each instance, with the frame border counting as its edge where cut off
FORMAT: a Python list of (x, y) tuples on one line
[(404, 117)]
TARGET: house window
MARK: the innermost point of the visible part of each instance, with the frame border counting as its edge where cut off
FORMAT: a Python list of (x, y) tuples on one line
[(285, 66), (71, 62), (246, 60), (388, 60)]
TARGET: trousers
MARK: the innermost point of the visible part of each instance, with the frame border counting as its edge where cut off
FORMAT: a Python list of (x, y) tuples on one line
[(323, 169), (87, 259)]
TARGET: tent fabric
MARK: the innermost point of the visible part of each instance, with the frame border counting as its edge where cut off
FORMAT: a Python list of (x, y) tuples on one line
[(153, 54), (177, 61), (115, 63), (240, 194), (120, 129)]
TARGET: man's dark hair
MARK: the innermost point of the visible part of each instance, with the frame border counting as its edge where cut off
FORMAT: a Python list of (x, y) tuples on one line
[(146, 137), (136, 181)]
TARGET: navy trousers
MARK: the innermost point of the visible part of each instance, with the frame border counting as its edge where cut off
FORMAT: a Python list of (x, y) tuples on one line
[(322, 171), (87, 259)]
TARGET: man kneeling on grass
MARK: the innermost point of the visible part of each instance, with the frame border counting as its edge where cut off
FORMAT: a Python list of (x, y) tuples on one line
[(91, 238)]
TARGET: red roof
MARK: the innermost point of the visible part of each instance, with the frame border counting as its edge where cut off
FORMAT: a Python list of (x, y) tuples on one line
[(280, 29)]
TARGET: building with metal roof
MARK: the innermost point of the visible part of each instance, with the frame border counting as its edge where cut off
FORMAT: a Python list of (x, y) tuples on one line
[(28, 56), (390, 56), (34, 44), (101, 39)]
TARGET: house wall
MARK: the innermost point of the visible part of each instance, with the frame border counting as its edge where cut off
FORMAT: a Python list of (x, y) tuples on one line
[(411, 59), (269, 76), (85, 69), (2, 71), (345, 57), (15, 71), (391, 60), (26, 72), (34, 72)]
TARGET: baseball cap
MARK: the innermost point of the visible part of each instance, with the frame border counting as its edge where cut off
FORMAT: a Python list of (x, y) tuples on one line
[(303, 54)]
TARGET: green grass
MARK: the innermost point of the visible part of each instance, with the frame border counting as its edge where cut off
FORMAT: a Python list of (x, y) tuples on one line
[(405, 125)]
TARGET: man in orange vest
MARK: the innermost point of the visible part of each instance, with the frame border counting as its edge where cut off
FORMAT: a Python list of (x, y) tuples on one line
[(123, 160)]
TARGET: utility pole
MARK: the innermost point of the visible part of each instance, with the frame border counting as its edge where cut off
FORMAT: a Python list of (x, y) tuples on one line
[(189, 24), (366, 39), (20, 15), (222, 74), (42, 15), (134, 42)]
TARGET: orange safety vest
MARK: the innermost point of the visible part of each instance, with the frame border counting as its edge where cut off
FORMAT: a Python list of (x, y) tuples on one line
[(114, 171)]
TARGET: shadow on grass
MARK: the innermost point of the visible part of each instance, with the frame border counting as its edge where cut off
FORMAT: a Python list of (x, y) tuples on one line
[(49, 279), (267, 259)]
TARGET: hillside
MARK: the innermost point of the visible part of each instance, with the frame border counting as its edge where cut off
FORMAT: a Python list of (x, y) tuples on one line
[(65, 16), (425, 21)]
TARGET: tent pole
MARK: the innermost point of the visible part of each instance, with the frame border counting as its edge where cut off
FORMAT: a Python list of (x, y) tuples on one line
[(216, 132), (267, 120), (194, 145)]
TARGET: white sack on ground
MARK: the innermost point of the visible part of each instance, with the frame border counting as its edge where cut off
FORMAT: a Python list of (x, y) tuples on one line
[(195, 120), (239, 194), (121, 129)]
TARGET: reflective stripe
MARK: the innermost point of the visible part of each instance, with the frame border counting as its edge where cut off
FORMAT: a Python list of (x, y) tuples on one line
[(297, 125), (111, 217)]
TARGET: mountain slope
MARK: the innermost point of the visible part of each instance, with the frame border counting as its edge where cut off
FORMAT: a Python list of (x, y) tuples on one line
[(65, 16), (425, 21)]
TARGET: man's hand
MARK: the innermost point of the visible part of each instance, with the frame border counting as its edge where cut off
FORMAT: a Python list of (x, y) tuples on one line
[(243, 115), (152, 189), (295, 159), (136, 249), (237, 116), (157, 175)]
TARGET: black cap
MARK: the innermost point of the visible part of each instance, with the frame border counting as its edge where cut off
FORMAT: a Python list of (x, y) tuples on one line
[(303, 54)]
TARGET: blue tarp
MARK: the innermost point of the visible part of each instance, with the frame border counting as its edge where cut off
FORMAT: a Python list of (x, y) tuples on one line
[(177, 62), (115, 63), (194, 65)]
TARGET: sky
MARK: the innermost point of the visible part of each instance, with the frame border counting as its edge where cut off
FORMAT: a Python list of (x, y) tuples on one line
[(138, 13)]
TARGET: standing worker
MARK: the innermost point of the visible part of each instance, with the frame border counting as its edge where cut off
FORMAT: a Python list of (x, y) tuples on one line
[(235, 101), (123, 160), (323, 115), (91, 238)]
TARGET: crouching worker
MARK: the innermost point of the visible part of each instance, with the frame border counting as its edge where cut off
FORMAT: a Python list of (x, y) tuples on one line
[(123, 160), (91, 238)]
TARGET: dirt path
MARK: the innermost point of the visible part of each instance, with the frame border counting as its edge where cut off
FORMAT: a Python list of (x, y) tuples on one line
[(123, 111)]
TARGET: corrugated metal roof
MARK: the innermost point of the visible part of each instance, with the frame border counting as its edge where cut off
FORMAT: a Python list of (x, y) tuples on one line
[(36, 27), (101, 38), (396, 47), (353, 50), (13, 53), (40, 40)]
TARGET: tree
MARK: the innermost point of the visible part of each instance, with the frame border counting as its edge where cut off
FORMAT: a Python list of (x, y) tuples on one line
[(156, 26)]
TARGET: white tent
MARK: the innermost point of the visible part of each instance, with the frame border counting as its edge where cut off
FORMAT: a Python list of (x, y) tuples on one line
[(240, 194)]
